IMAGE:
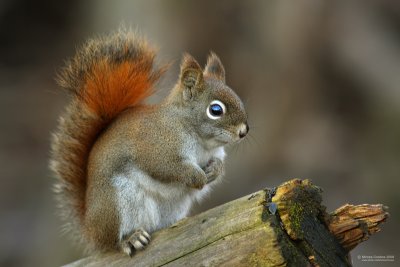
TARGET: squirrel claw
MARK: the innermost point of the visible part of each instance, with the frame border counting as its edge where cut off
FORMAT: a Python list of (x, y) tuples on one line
[(214, 169), (137, 241)]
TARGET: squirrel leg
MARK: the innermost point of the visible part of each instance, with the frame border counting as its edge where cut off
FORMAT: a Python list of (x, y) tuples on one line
[(194, 176), (185, 172), (138, 240), (214, 169)]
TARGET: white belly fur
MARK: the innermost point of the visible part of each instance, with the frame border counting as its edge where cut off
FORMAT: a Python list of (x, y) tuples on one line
[(146, 203)]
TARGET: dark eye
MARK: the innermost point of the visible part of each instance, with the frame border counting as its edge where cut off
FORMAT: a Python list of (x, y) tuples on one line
[(215, 110)]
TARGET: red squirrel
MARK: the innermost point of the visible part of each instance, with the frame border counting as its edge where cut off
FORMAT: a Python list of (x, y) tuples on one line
[(124, 168)]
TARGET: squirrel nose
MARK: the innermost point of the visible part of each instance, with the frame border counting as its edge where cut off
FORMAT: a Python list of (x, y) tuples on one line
[(243, 132)]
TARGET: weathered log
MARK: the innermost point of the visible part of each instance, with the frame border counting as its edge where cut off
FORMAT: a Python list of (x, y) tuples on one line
[(285, 226)]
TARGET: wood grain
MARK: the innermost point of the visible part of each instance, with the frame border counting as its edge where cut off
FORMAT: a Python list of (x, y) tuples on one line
[(285, 226)]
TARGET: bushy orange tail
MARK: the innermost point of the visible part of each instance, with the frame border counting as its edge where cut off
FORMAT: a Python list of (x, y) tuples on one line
[(106, 76)]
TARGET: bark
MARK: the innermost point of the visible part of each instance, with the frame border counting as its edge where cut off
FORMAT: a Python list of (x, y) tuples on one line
[(284, 226)]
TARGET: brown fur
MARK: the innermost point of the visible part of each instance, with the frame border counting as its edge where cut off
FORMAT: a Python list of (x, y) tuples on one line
[(107, 76), (110, 152)]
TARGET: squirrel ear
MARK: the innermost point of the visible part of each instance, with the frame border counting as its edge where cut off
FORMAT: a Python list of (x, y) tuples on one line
[(214, 67), (191, 76)]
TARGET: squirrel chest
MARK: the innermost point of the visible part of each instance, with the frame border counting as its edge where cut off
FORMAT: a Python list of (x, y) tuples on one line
[(199, 154)]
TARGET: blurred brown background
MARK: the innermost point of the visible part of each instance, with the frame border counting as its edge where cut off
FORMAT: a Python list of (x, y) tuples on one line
[(320, 79)]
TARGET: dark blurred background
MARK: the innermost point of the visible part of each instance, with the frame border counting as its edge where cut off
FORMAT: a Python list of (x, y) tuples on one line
[(320, 79)]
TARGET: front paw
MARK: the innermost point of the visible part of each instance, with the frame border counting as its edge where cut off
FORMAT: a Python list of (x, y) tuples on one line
[(214, 169), (197, 182), (137, 241)]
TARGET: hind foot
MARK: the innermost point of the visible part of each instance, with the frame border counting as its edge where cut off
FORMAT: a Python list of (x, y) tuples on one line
[(137, 241)]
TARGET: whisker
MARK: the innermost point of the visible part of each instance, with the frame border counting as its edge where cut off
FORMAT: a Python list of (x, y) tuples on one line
[(253, 138)]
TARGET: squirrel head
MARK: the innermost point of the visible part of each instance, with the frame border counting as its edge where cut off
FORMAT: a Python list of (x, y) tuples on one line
[(208, 104)]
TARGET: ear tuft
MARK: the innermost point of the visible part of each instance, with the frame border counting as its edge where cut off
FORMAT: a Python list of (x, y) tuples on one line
[(214, 67), (188, 62), (191, 75)]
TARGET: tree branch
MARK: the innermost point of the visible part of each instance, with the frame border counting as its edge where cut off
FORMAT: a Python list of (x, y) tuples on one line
[(285, 226)]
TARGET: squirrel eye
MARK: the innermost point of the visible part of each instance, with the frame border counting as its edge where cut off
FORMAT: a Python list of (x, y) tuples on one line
[(215, 110)]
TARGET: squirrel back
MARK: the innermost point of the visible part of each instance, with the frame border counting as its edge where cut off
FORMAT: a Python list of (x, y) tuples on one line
[(106, 76)]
